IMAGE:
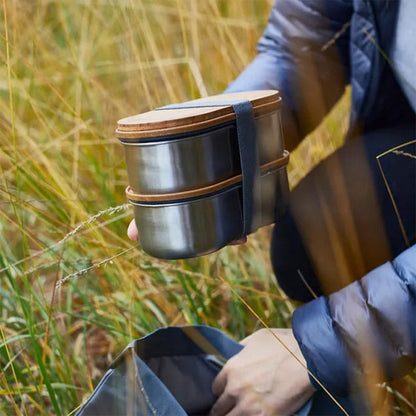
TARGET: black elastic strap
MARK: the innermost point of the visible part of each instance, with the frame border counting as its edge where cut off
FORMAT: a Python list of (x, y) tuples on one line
[(247, 145)]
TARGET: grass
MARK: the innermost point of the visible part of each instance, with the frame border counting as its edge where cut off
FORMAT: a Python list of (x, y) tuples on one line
[(70, 70)]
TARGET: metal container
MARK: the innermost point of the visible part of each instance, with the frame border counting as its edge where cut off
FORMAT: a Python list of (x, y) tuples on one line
[(198, 222), (176, 150)]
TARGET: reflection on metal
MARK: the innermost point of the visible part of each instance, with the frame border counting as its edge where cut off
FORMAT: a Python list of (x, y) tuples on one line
[(395, 151)]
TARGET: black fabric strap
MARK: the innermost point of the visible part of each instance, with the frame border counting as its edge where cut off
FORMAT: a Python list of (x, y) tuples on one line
[(247, 144)]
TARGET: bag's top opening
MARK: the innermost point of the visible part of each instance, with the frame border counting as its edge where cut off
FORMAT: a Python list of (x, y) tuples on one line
[(168, 122)]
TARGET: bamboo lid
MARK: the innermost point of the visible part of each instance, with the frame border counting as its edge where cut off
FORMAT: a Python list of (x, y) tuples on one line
[(193, 193), (158, 123)]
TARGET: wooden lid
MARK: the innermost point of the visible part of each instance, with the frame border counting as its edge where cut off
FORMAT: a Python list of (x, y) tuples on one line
[(192, 193), (158, 123)]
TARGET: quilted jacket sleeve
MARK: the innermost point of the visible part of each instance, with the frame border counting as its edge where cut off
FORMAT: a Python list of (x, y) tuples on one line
[(304, 53), (364, 332)]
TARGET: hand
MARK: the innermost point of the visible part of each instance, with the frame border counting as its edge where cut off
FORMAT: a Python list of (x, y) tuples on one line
[(133, 234), (264, 378)]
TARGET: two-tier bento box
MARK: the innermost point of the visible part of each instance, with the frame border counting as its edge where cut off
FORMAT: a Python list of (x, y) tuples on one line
[(187, 179)]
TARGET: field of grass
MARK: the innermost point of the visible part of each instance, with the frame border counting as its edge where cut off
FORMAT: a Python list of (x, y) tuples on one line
[(74, 291)]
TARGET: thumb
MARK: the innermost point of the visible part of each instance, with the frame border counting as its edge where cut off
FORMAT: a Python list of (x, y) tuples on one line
[(246, 340), (132, 232)]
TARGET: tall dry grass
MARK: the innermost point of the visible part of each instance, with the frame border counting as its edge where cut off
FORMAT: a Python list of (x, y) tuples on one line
[(70, 70)]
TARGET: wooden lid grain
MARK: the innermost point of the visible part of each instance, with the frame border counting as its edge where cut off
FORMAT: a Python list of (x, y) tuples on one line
[(158, 123)]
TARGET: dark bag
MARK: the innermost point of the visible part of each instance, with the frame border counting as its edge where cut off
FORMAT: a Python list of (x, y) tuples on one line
[(170, 373)]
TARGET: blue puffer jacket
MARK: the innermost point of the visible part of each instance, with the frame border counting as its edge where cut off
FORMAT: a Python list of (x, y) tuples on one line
[(309, 51)]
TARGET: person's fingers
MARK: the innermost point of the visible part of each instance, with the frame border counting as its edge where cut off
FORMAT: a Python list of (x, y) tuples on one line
[(239, 411), (219, 383), (254, 335), (249, 407), (223, 405), (245, 340), (132, 232), (239, 241)]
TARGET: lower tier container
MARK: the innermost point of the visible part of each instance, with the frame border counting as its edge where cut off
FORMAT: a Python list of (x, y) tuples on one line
[(199, 225)]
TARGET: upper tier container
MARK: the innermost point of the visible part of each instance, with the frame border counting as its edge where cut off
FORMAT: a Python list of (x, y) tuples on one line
[(176, 150)]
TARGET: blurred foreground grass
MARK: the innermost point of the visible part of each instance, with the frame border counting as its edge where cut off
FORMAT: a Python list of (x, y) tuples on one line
[(70, 70)]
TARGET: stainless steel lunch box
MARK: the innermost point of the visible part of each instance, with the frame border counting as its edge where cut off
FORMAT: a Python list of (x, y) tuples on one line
[(180, 149), (187, 187), (197, 225)]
